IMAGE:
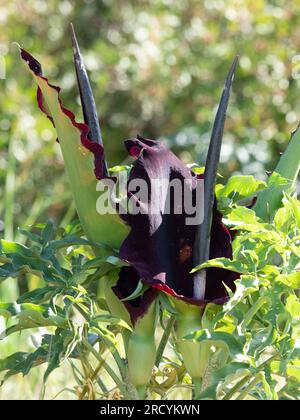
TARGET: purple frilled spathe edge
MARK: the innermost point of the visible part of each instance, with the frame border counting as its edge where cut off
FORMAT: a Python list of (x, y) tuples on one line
[(159, 247), (93, 147)]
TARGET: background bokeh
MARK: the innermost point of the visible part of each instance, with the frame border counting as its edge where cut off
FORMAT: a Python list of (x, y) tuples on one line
[(157, 68)]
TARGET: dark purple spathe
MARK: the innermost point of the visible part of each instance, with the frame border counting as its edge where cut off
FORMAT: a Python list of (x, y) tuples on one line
[(159, 246)]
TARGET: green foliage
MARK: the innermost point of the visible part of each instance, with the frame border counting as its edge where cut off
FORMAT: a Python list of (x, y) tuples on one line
[(287, 168), (259, 326), (251, 343), (67, 266)]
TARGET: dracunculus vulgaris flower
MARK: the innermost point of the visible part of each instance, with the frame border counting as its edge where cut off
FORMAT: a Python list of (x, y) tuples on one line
[(160, 249)]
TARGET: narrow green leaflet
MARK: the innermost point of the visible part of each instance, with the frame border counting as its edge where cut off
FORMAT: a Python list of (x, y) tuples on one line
[(225, 263), (236, 189), (30, 315)]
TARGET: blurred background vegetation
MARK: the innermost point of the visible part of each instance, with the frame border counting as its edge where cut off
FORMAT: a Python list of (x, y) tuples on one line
[(157, 69)]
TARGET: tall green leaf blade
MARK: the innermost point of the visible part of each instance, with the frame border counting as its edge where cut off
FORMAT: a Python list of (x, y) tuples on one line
[(105, 229)]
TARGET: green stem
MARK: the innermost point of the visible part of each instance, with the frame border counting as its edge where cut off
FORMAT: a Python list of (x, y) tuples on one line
[(116, 355), (197, 382), (164, 340), (130, 389), (236, 387), (108, 369), (132, 392), (251, 385), (114, 352), (102, 386), (141, 390), (246, 378), (94, 376)]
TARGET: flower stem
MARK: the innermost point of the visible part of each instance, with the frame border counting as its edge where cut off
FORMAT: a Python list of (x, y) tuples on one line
[(237, 387), (106, 366), (164, 340), (252, 384), (141, 390)]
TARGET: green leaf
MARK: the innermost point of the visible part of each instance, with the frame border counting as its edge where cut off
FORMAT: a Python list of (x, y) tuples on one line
[(294, 371), (259, 303), (30, 315), (226, 375), (243, 215), (247, 285), (238, 188), (9, 247), (139, 290), (61, 346), (283, 219), (116, 306), (40, 295), (66, 241), (289, 369), (110, 319), (282, 179), (33, 237), (48, 232), (293, 306), (225, 263), (22, 362), (291, 280), (294, 205), (25, 263), (260, 340)]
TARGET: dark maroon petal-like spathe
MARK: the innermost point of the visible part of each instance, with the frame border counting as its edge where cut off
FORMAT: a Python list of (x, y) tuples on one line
[(159, 246)]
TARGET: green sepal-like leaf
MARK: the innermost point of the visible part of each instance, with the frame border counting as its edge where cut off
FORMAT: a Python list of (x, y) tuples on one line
[(105, 229), (116, 306), (141, 347), (218, 339)]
